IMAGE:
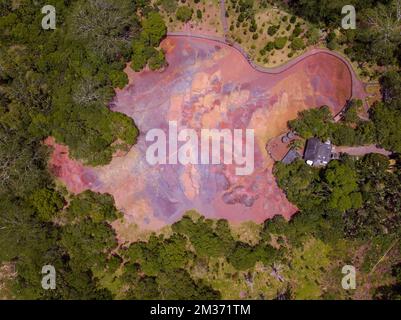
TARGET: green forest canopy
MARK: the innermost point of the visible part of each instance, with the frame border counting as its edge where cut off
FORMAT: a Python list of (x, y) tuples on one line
[(60, 83)]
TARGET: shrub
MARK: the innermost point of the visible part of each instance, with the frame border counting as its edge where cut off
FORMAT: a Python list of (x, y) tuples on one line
[(184, 13), (313, 36), (272, 30), (280, 42), (269, 46), (297, 31), (297, 44), (331, 41)]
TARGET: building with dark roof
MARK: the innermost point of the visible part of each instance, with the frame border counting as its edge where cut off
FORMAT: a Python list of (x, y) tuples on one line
[(290, 156), (317, 153)]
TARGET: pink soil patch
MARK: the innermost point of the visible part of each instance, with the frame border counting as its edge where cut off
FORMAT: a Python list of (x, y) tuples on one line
[(79, 178), (207, 85)]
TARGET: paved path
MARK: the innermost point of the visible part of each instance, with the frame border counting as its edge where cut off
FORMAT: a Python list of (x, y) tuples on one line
[(223, 17), (362, 150)]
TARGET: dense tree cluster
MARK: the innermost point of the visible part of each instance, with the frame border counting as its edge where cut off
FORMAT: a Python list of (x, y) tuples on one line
[(153, 263), (144, 51), (382, 128), (349, 132), (386, 115), (360, 198), (378, 34), (367, 187), (60, 82)]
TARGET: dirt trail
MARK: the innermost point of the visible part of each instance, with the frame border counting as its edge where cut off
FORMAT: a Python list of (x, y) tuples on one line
[(362, 150), (223, 17)]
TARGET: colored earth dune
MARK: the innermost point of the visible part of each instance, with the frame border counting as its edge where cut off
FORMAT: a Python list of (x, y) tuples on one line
[(208, 85)]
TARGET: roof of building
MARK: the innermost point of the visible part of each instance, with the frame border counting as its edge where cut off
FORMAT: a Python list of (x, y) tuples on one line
[(317, 151), (291, 156)]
